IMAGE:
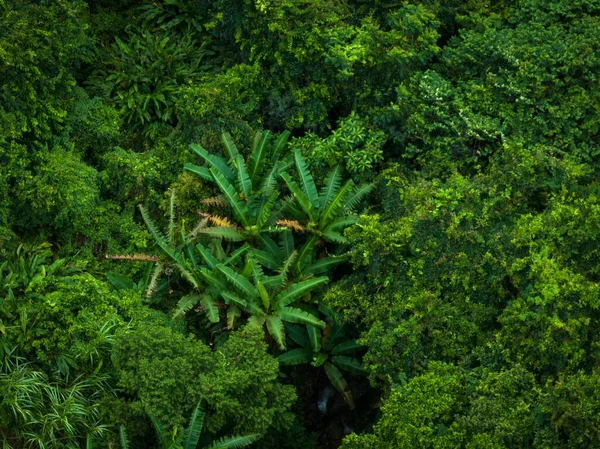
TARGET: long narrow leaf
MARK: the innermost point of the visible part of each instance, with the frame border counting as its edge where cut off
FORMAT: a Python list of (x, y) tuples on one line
[(239, 282), (215, 162), (230, 148), (223, 232), (194, 429), (306, 180), (232, 196), (276, 329), (279, 145), (299, 196), (314, 335), (243, 178), (203, 172), (295, 291), (294, 315), (235, 442), (256, 162), (333, 181)]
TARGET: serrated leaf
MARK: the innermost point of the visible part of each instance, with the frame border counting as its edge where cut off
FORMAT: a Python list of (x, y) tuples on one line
[(295, 291), (294, 315), (306, 180), (238, 281), (275, 328)]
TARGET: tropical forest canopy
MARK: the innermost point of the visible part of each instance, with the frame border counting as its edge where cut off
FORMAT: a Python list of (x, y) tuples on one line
[(300, 224)]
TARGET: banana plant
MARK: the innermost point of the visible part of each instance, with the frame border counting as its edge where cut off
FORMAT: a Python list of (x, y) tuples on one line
[(249, 187), (329, 348), (190, 437), (325, 213), (268, 300)]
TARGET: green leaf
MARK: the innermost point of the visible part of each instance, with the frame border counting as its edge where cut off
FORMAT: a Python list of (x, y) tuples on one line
[(123, 438), (349, 364), (306, 180), (279, 145), (299, 196), (346, 347), (335, 334), (233, 313), (357, 194), (235, 256), (211, 307), (339, 382), (314, 336), (216, 163), (295, 291), (232, 298), (333, 181), (239, 282), (294, 315), (209, 259), (256, 162), (331, 211), (230, 193), (243, 179), (324, 265), (194, 429), (305, 253), (275, 327), (287, 243), (158, 237), (287, 264), (229, 146), (119, 281), (235, 442), (269, 244), (298, 334), (185, 304), (265, 258), (296, 356), (332, 236), (266, 207)]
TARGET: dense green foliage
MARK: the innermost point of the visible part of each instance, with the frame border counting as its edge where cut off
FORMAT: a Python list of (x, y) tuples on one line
[(299, 224)]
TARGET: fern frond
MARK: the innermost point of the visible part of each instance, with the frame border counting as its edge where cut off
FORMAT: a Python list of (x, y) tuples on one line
[(123, 438)]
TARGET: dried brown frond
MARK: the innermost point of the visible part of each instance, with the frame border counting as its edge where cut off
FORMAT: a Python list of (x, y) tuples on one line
[(217, 220), (218, 200), (137, 257), (292, 224)]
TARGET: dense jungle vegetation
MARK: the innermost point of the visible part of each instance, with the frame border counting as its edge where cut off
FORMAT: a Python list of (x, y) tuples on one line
[(300, 224)]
